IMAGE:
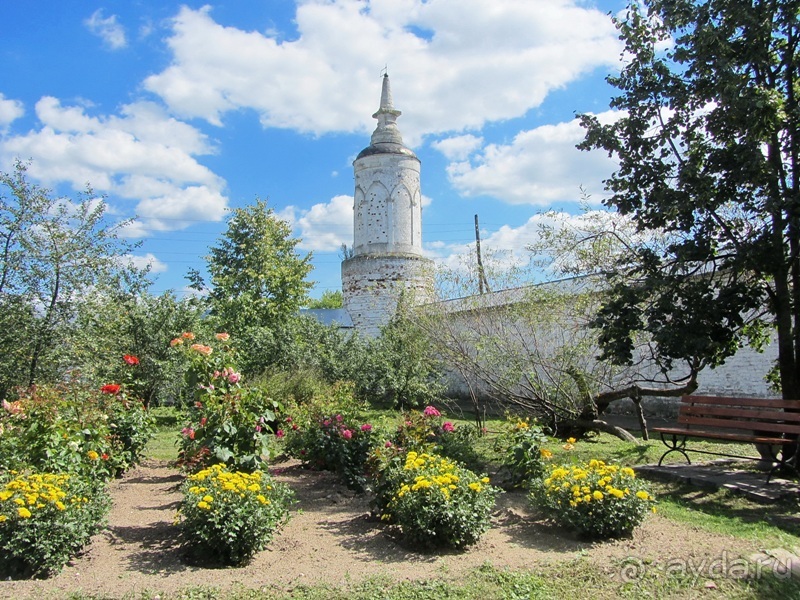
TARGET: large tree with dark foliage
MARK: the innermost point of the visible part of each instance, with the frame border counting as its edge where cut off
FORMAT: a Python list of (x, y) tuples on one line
[(708, 146)]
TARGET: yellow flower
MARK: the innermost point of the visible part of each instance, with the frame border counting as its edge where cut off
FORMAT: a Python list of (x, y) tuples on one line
[(628, 471), (545, 453), (642, 495), (597, 495), (475, 487), (60, 505), (3, 518), (208, 498), (92, 455), (24, 512), (203, 505), (485, 480), (253, 487), (571, 440)]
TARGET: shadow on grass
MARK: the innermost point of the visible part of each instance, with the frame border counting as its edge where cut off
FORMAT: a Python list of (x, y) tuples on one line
[(781, 514)]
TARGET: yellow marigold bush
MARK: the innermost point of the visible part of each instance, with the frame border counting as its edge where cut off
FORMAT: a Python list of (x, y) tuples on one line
[(434, 502), (45, 519), (598, 500), (228, 516)]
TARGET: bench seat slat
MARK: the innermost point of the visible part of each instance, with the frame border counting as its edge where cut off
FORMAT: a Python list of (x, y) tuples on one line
[(732, 437), (751, 402), (710, 422), (742, 413)]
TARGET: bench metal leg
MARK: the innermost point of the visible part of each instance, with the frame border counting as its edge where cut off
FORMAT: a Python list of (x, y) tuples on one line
[(783, 462), (674, 445)]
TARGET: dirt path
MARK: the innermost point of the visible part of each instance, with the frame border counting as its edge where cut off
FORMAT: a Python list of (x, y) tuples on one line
[(331, 539)]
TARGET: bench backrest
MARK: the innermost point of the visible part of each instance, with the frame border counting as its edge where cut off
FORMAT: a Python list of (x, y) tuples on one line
[(752, 414)]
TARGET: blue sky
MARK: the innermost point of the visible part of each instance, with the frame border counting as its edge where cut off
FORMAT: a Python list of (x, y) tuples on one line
[(178, 111)]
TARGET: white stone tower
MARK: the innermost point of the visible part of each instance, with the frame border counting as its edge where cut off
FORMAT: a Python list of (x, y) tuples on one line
[(387, 260)]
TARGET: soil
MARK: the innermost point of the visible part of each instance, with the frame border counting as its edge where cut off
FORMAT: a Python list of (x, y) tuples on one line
[(333, 538)]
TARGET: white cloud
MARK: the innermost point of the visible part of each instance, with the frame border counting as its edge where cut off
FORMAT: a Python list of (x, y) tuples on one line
[(540, 167), (141, 155), (507, 247), (107, 29), (458, 147), (455, 64), (148, 260), (10, 110), (323, 227)]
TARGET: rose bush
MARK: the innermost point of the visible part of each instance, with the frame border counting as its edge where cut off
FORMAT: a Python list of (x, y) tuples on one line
[(229, 422)]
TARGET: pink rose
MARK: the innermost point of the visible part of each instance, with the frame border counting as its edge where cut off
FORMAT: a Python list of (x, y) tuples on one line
[(448, 426), (366, 427), (234, 377), (388, 444), (430, 411), (279, 433), (347, 434), (203, 421)]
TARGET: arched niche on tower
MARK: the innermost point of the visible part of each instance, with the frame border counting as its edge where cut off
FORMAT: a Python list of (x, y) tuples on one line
[(359, 217), (402, 217), (376, 218)]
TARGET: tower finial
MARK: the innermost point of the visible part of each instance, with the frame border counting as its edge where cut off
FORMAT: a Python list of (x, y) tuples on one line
[(387, 114)]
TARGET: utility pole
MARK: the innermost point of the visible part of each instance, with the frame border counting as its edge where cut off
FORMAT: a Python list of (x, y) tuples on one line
[(483, 284)]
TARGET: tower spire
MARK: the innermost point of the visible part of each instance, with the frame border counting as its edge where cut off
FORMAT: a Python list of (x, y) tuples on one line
[(386, 132)]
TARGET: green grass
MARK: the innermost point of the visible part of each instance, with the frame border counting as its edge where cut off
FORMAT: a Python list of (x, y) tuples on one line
[(164, 444), (574, 578)]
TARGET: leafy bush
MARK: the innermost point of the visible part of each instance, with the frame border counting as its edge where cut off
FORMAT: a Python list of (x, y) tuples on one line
[(524, 457), (595, 499), (400, 367), (73, 429), (427, 431), (330, 434), (45, 519), (434, 502), (228, 423), (229, 516)]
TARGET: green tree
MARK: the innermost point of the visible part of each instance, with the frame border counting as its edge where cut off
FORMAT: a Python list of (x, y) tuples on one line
[(329, 299), (142, 325), (709, 149), (54, 252), (257, 277)]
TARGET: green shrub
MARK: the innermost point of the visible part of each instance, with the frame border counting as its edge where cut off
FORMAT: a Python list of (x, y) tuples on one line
[(45, 519), (524, 457), (597, 500), (73, 429), (435, 503), (229, 516), (328, 433)]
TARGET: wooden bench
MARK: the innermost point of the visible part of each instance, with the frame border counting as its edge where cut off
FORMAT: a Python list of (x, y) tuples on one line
[(748, 420)]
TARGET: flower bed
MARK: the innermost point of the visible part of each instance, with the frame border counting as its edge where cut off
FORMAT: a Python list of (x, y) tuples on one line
[(436, 503), (45, 519), (229, 516), (595, 499)]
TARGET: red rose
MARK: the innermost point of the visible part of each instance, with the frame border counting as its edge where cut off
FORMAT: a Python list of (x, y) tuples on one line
[(130, 359), (110, 388)]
